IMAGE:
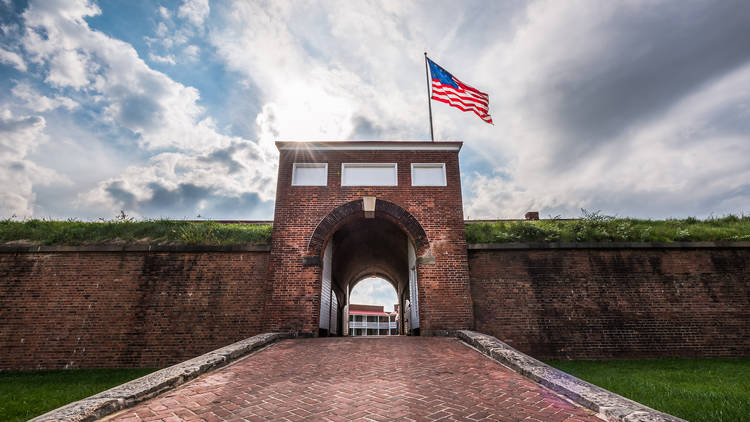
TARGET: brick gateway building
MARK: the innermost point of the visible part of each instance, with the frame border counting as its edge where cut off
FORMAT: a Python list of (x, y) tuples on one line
[(346, 211)]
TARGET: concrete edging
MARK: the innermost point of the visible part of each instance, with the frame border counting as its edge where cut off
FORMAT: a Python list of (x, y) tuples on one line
[(130, 393), (607, 245), (612, 406)]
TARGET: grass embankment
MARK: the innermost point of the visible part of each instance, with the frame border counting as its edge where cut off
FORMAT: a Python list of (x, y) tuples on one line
[(599, 228), (155, 232), (24, 395), (591, 228), (699, 390)]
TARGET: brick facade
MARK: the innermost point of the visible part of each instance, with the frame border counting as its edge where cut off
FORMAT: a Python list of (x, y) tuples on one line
[(431, 216), (615, 303), (125, 309)]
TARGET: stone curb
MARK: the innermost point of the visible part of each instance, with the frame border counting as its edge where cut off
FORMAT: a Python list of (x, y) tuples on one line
[(133, 248), (141, 389), (607, 403), (607, 245)]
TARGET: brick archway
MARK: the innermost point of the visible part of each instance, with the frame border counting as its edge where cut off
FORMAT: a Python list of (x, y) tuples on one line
[(354, 210)]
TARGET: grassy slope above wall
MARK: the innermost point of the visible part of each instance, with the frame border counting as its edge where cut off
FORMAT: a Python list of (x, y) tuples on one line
[(599, 228), (157, 231), (591, 228)]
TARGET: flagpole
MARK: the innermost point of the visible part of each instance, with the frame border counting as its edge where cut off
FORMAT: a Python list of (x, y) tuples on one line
[(429, 101)]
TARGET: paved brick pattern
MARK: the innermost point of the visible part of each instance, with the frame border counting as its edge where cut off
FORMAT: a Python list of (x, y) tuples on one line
[(362, 379)]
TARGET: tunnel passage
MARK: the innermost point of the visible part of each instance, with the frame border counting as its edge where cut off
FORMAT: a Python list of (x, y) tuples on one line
[(363, 248)]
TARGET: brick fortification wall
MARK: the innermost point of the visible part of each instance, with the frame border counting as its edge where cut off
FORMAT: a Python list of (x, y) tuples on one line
[(615, 303), (126, 309), (150, 309)]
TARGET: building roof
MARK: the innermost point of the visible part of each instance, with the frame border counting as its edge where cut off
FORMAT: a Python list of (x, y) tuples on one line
[(372, 145), (368, 313), (369, 308), (357, 309)]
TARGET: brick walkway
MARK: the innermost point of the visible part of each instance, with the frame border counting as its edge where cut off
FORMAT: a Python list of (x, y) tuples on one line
[(378, 379)]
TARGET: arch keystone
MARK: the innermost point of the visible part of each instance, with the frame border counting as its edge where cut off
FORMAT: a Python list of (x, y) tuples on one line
[(369, 205)]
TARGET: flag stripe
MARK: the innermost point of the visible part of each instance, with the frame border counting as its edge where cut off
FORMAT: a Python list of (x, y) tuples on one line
[(464, 101), (460, 96), (472, 89), (463, 88), (452, 98), (448, 89), (484, 116), (436, 84), (440, 89)]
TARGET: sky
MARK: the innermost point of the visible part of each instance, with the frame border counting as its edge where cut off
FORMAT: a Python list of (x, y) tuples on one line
[(171, 108), (374, 291)]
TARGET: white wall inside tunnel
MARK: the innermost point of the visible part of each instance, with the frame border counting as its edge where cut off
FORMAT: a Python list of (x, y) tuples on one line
[(325, 290), (413, 291)]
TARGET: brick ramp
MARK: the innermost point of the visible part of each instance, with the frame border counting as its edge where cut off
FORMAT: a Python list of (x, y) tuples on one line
[(343, 379)]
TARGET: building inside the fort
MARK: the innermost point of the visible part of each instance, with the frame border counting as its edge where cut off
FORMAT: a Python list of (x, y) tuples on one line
[(372, 320)]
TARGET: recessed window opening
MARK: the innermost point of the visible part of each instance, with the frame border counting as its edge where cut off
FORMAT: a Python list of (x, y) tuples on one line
[(428, 174), (369, 174), (310, 174)]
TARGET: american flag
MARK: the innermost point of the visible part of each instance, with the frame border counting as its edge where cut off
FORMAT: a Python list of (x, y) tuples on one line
[(448, 89)]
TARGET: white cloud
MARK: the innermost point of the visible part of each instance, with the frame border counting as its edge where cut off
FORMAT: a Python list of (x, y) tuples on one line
[(187, 179), (164, 12), (13, 59), (192, 53), (35, 101), (169, 59), (683, 159), (161, 29), (374, 291), (164, 113), (69, 68), (19, 136), (195, 11), (318, 96)]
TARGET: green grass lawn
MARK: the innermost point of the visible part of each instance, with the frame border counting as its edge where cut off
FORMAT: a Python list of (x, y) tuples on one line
[(698, 390), (594, 227), (48, 232), (24, 395)]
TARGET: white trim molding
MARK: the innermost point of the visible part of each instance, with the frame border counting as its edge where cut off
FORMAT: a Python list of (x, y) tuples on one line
[(324, 166), (392, 176), (440, 166)]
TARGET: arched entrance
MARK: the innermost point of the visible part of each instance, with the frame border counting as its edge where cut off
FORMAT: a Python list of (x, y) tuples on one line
[(384, 245)]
